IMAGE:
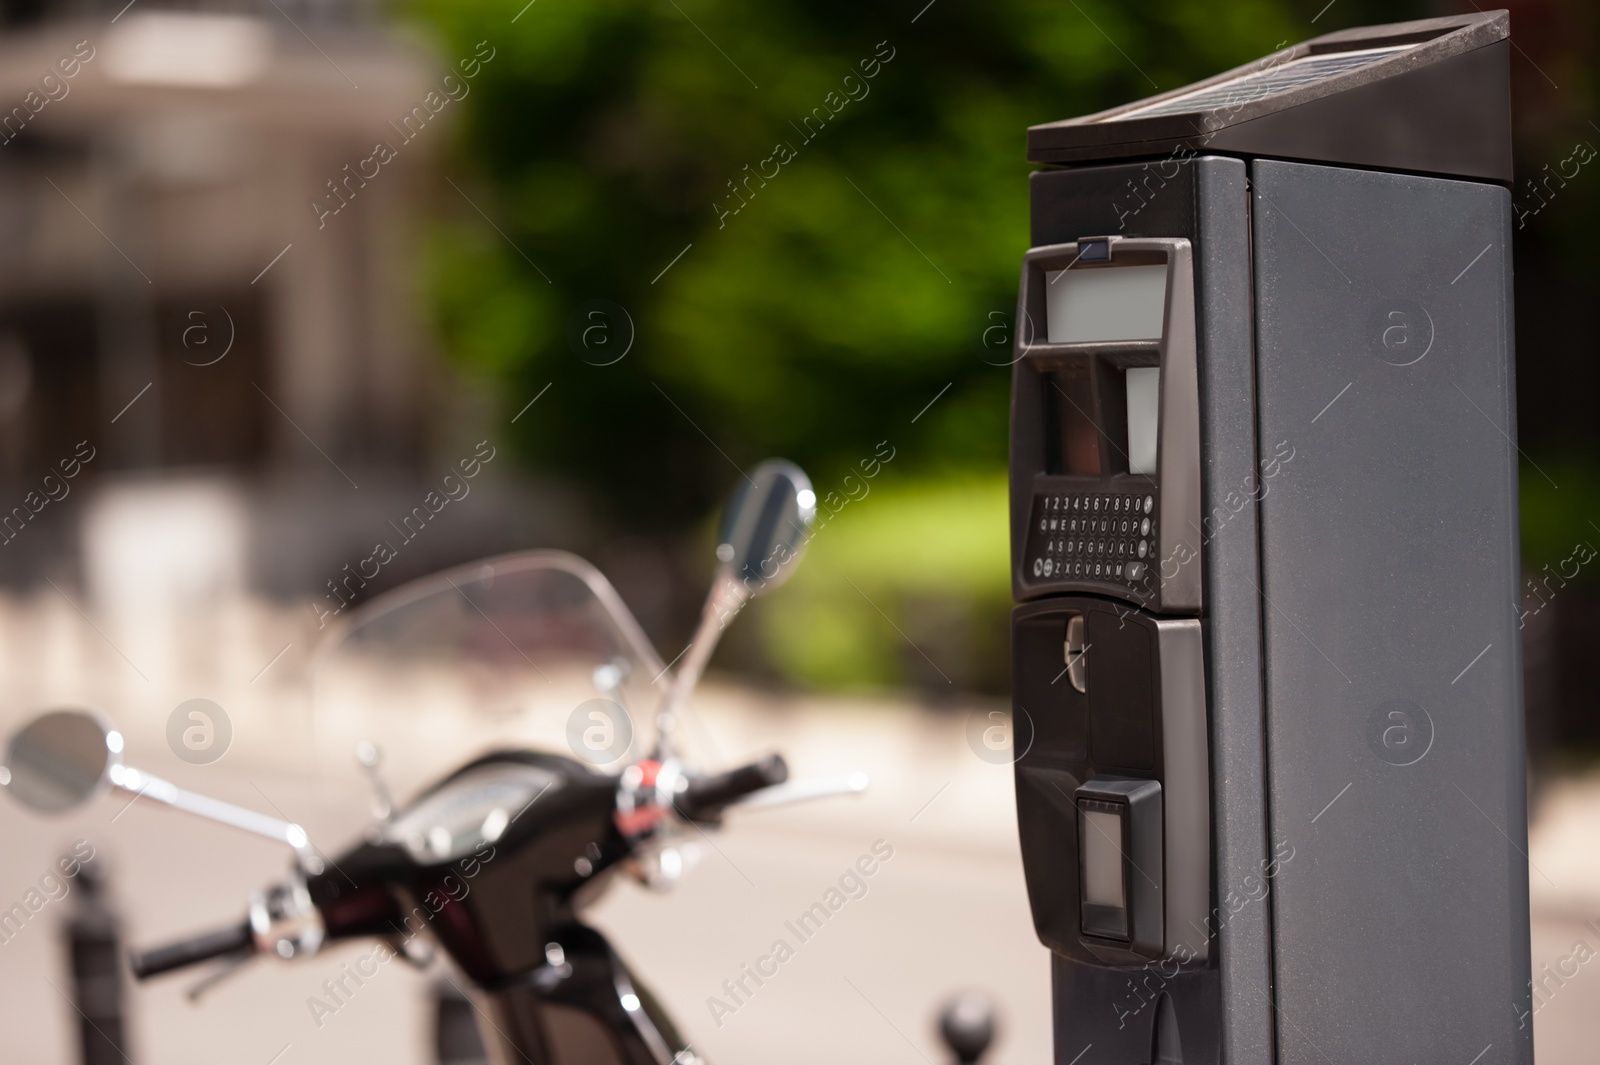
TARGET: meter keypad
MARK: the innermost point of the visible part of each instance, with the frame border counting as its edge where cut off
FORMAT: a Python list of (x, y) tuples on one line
[(1099, 537)]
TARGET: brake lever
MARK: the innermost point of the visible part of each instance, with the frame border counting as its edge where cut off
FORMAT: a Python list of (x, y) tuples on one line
[(794, 791), (223, 969)]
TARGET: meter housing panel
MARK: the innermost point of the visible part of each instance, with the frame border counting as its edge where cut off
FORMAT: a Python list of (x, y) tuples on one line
[(1089, 512), (1333, 500), (1131, 745)]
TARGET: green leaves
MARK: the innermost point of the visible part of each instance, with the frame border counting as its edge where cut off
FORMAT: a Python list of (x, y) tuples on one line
[(824, 299)]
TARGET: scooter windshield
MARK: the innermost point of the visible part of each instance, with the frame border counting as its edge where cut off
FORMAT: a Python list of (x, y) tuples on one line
[(534, 649)]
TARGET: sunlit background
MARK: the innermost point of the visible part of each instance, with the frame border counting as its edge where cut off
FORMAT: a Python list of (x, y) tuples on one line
[(269, 271)]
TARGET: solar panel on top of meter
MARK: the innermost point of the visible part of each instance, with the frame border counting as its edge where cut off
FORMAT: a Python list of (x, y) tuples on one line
[(1262, 83)]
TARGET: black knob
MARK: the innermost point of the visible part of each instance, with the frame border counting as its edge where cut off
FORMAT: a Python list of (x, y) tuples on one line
[(967, 1024)]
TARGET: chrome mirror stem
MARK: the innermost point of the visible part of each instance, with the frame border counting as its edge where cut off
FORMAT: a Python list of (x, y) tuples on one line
[(728, 595), (138, 784)]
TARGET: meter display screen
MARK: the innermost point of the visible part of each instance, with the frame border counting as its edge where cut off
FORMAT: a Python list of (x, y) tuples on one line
[(1117, 303), (1102, 858)]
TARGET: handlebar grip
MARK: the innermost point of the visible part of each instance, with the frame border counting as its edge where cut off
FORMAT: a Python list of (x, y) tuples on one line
[(203, 947), (708, 796)]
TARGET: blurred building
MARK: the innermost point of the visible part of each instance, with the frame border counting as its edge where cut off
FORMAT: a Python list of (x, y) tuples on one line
[(141, 206), (208, 233)]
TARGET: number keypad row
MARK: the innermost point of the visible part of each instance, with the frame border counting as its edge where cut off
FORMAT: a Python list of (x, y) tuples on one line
[(1092, 536)]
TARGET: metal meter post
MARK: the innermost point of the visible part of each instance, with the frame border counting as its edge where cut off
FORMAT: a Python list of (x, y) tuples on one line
[(1264, 550)]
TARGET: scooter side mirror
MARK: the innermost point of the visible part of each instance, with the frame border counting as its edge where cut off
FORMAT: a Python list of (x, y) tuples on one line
[(765, 525), (63, 758), (60, 760), (762, 536)]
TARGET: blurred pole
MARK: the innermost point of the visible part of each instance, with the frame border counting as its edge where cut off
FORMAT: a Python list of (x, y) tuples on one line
[(95, 952), (125, 296), (455, 1027)]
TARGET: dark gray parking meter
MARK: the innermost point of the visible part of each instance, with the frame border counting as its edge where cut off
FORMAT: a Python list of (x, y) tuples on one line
[(1266, 656)]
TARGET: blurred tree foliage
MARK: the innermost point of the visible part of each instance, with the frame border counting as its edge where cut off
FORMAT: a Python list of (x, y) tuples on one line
[(848, 290), (1554, 94)]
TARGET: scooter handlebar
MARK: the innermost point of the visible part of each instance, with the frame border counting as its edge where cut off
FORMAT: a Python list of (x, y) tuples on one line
[(220, 943), (708, 796)]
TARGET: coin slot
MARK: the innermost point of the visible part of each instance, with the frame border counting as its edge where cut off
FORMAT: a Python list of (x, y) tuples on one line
[(1075, 652)]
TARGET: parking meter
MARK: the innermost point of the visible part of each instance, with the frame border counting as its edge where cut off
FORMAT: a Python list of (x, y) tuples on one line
[(1263, 492)]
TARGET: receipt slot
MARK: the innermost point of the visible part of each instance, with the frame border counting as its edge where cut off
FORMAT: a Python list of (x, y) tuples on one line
[(1264, 554)]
